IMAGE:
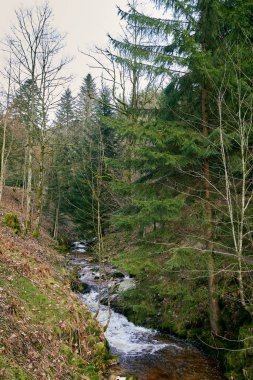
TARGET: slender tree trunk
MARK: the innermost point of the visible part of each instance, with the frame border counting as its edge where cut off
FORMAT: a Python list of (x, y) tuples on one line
[(31, 126), (56, 221), (100, 258), (244, 147), (29, 184), (3, 162), (24, 185), (237, 231), (213, 301), (4, 156), (40, 190)]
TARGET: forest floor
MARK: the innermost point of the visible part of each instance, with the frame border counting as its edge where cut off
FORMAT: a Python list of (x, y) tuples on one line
[(45, 332)]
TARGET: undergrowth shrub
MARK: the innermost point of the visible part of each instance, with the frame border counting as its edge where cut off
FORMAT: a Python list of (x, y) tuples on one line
[(11, 220)]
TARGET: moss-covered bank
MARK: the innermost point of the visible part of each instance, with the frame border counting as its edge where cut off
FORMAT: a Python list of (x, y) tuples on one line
[(46, 333), (172, 295)]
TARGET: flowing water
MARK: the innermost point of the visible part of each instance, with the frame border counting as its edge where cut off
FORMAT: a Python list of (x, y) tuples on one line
[(143, 352)]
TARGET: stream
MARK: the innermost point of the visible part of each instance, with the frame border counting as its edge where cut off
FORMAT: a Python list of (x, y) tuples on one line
[(143, 352)]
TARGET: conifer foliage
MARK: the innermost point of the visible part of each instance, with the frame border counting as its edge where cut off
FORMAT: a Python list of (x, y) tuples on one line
[(160, 151)]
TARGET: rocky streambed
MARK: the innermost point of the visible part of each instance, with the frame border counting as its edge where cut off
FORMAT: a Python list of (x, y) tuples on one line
[(143, 352)]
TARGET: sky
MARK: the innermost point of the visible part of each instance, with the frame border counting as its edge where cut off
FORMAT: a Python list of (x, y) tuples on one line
[(86, 23)]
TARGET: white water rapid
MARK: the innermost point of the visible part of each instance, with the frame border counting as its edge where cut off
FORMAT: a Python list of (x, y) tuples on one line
[(143, 352)]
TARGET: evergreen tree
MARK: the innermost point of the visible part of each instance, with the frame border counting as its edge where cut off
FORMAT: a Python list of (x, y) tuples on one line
[(65, 114), (105, 115), (22, 105), (192, 41), (60, 176), (87, 104)]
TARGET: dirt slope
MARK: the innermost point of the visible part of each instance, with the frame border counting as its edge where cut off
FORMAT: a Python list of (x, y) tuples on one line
[(45, 332)]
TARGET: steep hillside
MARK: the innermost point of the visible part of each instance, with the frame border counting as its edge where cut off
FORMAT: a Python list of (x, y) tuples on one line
[(45, 332)]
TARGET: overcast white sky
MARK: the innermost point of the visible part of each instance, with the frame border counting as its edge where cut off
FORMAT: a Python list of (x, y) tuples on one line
[(86, 23)]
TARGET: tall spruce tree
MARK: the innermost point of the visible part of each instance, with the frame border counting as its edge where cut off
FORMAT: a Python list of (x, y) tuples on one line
[(65, 115), (60, 174), (87, 105), (189, 40), (192, 39)]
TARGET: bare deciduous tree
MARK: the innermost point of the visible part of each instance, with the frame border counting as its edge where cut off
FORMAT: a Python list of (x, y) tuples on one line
[(35, 46)]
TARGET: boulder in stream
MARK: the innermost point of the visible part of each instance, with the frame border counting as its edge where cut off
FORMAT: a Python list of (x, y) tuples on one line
[(126, 285)]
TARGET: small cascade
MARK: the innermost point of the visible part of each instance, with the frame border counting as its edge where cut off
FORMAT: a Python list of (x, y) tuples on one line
[(123, 336), (143, 352)]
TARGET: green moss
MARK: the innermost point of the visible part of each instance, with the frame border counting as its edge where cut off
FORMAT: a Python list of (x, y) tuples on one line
[(3, 283), (93, 328), (81, 367), (11, 371), (75, 283), (42, 302), (137, 262), (92, 372), (165, 297), (11, 220), (36, 233), (239, 363), (92, 340), (37, 302), (103, 350), (63, 244)]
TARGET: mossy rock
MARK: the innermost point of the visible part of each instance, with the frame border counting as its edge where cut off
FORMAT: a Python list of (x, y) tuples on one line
[(76, 284), (11, 220), (118, 275)]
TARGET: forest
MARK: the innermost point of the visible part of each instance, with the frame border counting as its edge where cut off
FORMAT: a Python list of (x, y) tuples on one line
[(153, 159)]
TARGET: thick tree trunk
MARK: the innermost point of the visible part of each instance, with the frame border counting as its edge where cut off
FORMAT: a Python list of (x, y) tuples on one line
[(213, 301)]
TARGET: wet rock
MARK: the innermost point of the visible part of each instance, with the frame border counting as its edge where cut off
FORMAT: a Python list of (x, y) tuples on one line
[(126, 285), (79, 286), (120, 377), (97, 276), (117, 275), (78, 246), (75, 282)]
